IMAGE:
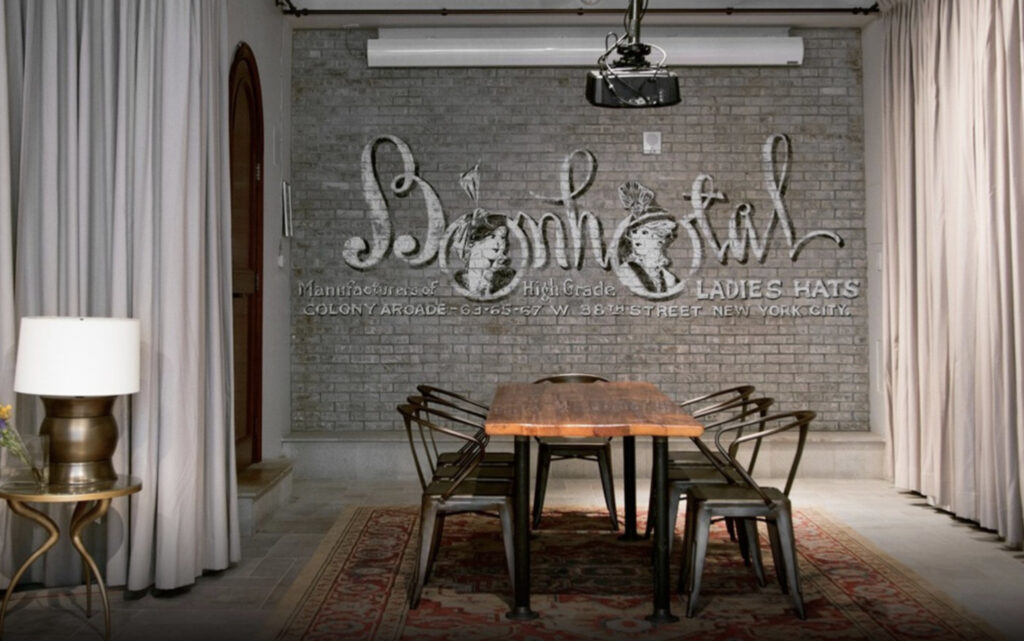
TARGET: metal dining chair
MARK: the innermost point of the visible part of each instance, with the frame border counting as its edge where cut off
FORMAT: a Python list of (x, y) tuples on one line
[(445, 463), (457, 490), (710, 467), (701, 406), (471, 408), (589, 449), (745, 500)]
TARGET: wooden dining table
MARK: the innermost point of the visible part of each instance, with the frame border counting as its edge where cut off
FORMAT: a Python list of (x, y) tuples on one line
[(624, 409)]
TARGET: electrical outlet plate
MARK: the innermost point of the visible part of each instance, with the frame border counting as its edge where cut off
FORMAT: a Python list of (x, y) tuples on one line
[(652, 142)]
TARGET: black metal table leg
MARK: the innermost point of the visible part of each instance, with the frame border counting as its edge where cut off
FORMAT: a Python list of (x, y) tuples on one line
[(629, 483), (662, 612), (521, 522)]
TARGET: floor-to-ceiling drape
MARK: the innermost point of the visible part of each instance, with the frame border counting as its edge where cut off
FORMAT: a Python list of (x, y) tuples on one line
[(114, 201), (953, 179)]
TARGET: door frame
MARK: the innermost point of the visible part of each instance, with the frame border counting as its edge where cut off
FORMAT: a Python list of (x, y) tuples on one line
[(244, 76)]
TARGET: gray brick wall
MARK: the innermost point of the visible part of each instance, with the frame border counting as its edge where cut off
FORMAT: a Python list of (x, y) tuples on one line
[(350, 369)]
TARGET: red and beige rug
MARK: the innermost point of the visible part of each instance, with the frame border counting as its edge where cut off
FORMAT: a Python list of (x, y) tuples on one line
[(587, 585)]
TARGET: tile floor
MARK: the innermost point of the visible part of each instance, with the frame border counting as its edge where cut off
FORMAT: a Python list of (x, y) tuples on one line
[(968, 564)]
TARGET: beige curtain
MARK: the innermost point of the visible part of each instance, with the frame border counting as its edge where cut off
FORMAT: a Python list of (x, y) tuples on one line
[(954, 268), (114, 201)]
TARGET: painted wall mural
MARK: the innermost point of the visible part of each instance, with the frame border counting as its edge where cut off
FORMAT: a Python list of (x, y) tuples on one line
[(655, 253), (470, 226)]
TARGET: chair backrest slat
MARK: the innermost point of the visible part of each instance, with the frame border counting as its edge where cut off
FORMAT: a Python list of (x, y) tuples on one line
[(727, 414), (765, 427), (439, 393), (572, 377), (467, 418), (709, 401)]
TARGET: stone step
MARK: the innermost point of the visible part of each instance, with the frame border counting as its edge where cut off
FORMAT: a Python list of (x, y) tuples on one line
[(262, 488)]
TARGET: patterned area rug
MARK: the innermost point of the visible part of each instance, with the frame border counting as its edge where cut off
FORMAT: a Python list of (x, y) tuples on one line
[(588, 585)]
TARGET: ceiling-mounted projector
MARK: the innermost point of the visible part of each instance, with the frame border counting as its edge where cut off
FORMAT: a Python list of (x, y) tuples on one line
[(632, 81), (630, 87)]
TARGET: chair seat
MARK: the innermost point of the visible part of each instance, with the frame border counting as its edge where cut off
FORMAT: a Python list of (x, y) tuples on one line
[(700, 474), (490, 458), (488, 473), (734, 495), (470, 487)]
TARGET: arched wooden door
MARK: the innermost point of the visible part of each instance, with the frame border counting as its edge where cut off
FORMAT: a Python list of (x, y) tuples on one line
[(246, 141)]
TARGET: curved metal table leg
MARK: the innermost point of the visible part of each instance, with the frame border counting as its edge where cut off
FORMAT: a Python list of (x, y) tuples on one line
[(86, 573), (47, 523), (81, 518)]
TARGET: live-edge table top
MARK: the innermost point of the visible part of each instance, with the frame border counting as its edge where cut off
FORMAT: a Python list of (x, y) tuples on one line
[(621, 408)]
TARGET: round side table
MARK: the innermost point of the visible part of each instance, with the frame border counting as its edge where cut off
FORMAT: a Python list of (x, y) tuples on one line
[(91, 503)]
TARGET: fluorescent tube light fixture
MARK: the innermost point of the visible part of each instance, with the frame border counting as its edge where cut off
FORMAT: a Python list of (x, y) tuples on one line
[(578, 47), (631, 80)]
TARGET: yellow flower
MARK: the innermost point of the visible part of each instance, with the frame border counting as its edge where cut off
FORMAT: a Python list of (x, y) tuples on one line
[(5, 412)]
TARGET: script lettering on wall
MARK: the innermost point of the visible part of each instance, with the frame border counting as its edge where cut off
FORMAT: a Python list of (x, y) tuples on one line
[(743, 236), (653, 251), (360, 254)]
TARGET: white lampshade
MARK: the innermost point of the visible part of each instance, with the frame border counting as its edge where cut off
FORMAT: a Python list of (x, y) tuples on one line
[(70, 356)]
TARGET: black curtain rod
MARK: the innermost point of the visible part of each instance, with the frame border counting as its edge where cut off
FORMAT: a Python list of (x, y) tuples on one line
[(290, 9)]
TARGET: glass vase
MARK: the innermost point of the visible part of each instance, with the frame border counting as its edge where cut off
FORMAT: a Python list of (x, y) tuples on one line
[(30, 471)]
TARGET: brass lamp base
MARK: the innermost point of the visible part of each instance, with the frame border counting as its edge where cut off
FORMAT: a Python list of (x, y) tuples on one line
[(83, 437)]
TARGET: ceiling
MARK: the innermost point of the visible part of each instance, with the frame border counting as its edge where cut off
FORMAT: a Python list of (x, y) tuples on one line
[(451, 13)]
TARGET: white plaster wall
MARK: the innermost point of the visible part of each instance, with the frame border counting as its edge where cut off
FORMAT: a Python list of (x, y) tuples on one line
[(871, 46), (264, 29)]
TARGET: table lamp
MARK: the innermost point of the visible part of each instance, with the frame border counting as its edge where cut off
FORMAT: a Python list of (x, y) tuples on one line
[(78, 366)]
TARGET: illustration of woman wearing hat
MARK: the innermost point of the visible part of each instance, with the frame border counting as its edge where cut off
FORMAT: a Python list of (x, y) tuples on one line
[(482, 244), (482, 241), (649, 230)]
